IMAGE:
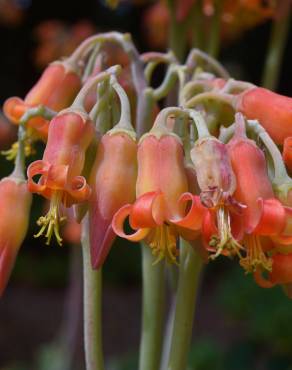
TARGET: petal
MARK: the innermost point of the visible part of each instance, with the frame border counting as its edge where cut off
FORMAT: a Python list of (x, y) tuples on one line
[(194, 218), (34, 169), (79, 190), (118, 223), (287, 152), (261, 281), (273, 217), (101, 236), (7, 260), (148, 210), (14, 108)]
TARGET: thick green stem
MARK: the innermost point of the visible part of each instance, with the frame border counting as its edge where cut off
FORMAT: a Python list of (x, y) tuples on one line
[(152, 311), (214, 34), (197, 25), (177, 33), (277, 43), (92, 286), (189, 273)]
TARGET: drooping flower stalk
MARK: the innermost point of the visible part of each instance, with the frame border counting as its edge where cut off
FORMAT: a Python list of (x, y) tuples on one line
[(278, 39), (189, 277), (153, 302), (92, 286)]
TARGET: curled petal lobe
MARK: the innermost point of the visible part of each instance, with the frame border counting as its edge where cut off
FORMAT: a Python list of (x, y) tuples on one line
[(194, 217), (147, 211), (118, 225), (14, 108)]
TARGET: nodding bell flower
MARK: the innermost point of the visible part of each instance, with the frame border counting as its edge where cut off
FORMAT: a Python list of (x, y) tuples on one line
[(272, 110), (70, 134), (56, 89), (158, 214), (217, 182), (15, 202), (113, 181), (264, 215)]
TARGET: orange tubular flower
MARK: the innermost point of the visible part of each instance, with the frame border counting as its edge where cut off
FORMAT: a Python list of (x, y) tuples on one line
[(113, 180), (272, 110), (287, 152), (15, 202), (158, 214), (217, 183), (70, 134), (264, 215), (56, 89)]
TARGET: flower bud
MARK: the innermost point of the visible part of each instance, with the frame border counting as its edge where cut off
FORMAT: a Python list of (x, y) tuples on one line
[(113, 180), (15, 202), (272, 110)]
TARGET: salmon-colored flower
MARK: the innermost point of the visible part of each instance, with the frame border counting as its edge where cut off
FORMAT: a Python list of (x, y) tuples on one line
[(159, 213), (272, 110), (264, 215), (60, 169), (217, 183), (15, 202), (113, 180), (56, 89)]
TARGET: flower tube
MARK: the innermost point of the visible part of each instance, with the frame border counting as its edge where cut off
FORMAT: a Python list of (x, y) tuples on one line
[(264, 215), (56, 89), (217, 182), (272, 110), (159, 213), (113, 180), (15, 202)]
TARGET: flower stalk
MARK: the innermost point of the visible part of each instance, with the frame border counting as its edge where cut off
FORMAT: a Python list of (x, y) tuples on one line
[(152, 311), (189, 277), (92, 285)]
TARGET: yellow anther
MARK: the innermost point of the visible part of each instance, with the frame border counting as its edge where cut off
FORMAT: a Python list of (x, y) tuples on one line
[(51, 221), (224, 241), (163, 244), (255, 256), (11, 153)]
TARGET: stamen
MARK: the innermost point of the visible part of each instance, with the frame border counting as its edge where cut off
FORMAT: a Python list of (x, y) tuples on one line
[(50, 222), (11, 153), (255, 257), (163, 244), (224, 242)]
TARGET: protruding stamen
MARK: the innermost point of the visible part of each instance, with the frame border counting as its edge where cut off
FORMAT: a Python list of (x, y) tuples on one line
[(224, 242), (51, 221), (255, 256), (163, 244), (11, 153)]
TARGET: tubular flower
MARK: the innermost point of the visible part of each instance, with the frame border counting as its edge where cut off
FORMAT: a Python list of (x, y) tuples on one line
[(287, 152), (56, 89), (113, 180), (158, 214), (217, 182), (70, 134), (264, 215), (15, 202), (272, 110)]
